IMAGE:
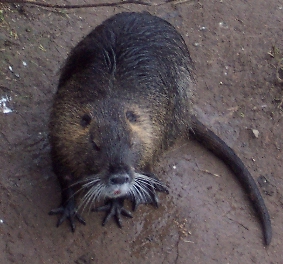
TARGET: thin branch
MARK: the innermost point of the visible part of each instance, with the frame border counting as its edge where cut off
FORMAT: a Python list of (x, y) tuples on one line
[(75, 6)]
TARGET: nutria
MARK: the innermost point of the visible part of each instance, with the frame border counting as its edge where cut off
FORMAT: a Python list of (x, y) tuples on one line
[(124, 98)]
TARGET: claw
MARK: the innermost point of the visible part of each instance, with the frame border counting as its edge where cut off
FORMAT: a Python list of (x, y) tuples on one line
[(58, 210), (161, 188), (68, 212), (135, 204), (80, 219), (126, 213), (113, 208), (154, 199)]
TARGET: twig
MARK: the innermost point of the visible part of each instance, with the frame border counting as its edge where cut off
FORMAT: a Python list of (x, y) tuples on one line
[(75, 6), (237, 223), (207, 171)]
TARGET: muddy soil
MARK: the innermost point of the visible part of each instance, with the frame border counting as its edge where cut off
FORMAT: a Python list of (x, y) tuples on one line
[(206, 218)]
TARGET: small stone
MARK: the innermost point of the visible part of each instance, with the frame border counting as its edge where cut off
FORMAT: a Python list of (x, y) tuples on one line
[(255, 133)]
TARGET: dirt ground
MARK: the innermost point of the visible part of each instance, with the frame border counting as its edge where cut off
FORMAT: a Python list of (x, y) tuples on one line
[(206, 218)]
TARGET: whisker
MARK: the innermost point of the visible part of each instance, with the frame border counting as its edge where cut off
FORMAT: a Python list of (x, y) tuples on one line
[(89, 199), (142, 192), (93, 192), (85, 200), (150, 181), (91, 180), (139, 194)]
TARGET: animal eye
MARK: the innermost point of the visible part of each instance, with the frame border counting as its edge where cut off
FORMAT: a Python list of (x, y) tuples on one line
[(132, 117), (85, 120)]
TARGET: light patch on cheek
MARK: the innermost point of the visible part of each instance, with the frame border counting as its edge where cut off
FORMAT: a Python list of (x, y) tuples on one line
[(74, 128), (144, 133)]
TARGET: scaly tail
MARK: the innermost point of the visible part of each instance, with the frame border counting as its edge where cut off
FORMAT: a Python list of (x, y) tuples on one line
[(212, 142)]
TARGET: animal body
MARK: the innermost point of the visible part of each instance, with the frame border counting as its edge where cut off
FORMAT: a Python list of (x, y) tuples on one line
[(124, 98)]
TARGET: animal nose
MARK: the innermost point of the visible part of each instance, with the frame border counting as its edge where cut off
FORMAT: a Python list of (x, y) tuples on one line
[(119, 179)]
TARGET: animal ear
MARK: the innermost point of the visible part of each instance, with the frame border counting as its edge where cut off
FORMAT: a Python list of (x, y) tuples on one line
[(95, 146), (93, 141), (85, 120), (132, 116)]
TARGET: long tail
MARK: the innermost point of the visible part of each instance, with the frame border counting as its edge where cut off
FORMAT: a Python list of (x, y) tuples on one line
[(212, 142)]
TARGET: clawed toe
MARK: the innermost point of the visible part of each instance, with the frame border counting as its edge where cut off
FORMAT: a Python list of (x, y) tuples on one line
[(68, 212), (114, 208)]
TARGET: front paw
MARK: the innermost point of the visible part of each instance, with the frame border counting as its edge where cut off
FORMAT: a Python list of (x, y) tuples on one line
[(68, 211), (113, 208)]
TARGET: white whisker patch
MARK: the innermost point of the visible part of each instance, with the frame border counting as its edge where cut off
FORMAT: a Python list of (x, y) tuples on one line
[(142, 189)]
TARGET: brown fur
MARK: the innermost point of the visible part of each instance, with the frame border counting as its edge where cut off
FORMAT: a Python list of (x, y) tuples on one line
[(123, 99)]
